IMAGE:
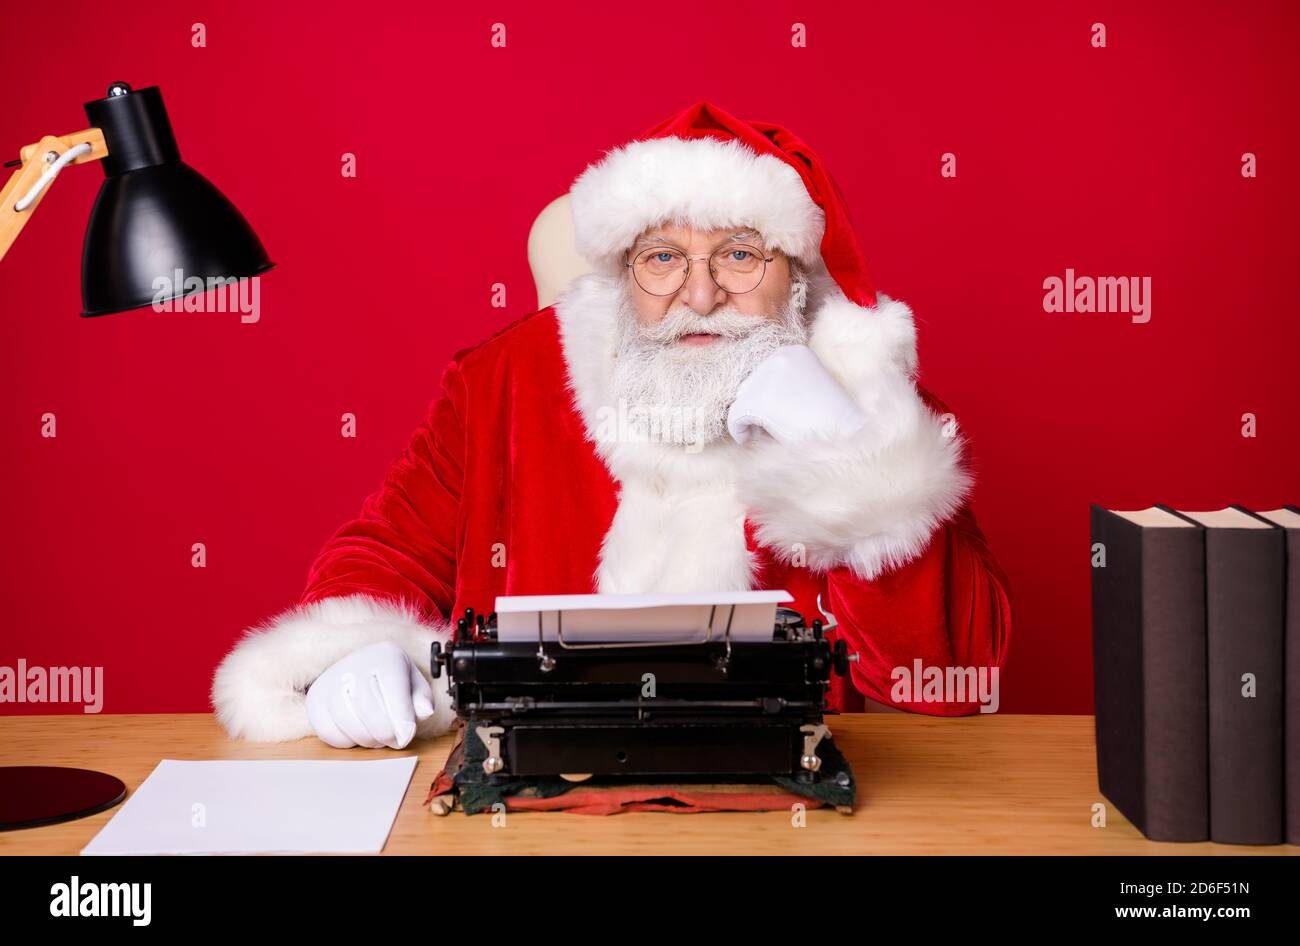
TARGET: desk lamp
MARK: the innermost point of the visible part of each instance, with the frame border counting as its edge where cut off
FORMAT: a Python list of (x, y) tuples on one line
[(154, 216)]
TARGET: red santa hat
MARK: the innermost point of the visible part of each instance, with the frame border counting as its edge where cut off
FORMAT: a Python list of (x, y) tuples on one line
[(707, 169)]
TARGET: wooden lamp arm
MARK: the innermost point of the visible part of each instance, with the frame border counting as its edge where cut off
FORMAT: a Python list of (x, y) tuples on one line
[(34, 162)]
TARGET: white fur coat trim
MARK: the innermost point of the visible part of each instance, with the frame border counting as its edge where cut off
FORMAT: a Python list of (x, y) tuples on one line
[(870, 501), (703, 182), (259, 691)]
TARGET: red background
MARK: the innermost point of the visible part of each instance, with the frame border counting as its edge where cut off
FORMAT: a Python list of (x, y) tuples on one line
[(176, 428)]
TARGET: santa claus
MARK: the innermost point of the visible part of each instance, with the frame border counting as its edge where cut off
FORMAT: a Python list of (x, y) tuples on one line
[(724, 403)]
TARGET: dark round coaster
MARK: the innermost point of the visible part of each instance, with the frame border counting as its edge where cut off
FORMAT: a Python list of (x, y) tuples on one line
[(32, 795)]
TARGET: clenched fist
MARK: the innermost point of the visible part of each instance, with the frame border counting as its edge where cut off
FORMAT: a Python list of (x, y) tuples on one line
[(373, 697)]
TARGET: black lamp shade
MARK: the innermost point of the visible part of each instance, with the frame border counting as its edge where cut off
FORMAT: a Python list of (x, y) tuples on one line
[(155, 216)]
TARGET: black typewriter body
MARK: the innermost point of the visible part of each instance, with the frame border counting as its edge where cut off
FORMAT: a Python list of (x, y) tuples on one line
[(708, 707)]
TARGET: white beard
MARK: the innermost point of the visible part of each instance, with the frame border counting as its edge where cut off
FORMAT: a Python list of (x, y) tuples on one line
[(671, 392)]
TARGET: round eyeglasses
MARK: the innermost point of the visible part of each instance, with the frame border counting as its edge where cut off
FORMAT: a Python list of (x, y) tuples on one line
[(663, 270)]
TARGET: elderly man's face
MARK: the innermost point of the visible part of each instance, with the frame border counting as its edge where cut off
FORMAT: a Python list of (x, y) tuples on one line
[(684, 348), (700, 293)]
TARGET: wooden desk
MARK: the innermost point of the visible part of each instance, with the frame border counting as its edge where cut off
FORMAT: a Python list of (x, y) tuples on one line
[(975, 785)]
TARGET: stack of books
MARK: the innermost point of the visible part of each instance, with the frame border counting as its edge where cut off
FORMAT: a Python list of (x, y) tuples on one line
[(1196, 647)]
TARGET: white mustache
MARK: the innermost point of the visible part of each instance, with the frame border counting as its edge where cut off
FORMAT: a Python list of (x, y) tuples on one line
[(681, 321)]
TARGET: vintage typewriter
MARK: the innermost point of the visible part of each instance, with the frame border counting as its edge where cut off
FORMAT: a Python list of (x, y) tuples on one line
[(708, 707)]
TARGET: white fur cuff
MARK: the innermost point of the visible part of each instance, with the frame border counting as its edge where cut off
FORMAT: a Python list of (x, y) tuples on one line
[(259, 691), (871, 500), (849, 502)]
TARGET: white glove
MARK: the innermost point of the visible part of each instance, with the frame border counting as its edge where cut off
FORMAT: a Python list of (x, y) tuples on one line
[(373, 697), (794, 398)]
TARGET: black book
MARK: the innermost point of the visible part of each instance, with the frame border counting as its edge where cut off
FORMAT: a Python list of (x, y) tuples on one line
[(1245, 564), (1289, 519), (1149, 654)]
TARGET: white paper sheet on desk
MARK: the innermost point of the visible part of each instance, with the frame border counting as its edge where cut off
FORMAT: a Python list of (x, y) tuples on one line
[(627, 618), (228, 807)]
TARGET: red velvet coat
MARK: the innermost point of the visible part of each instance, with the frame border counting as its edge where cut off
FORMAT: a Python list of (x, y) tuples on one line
[(501, 472)]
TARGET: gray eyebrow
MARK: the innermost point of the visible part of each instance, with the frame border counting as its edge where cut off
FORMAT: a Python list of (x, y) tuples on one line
[(656, 239)]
